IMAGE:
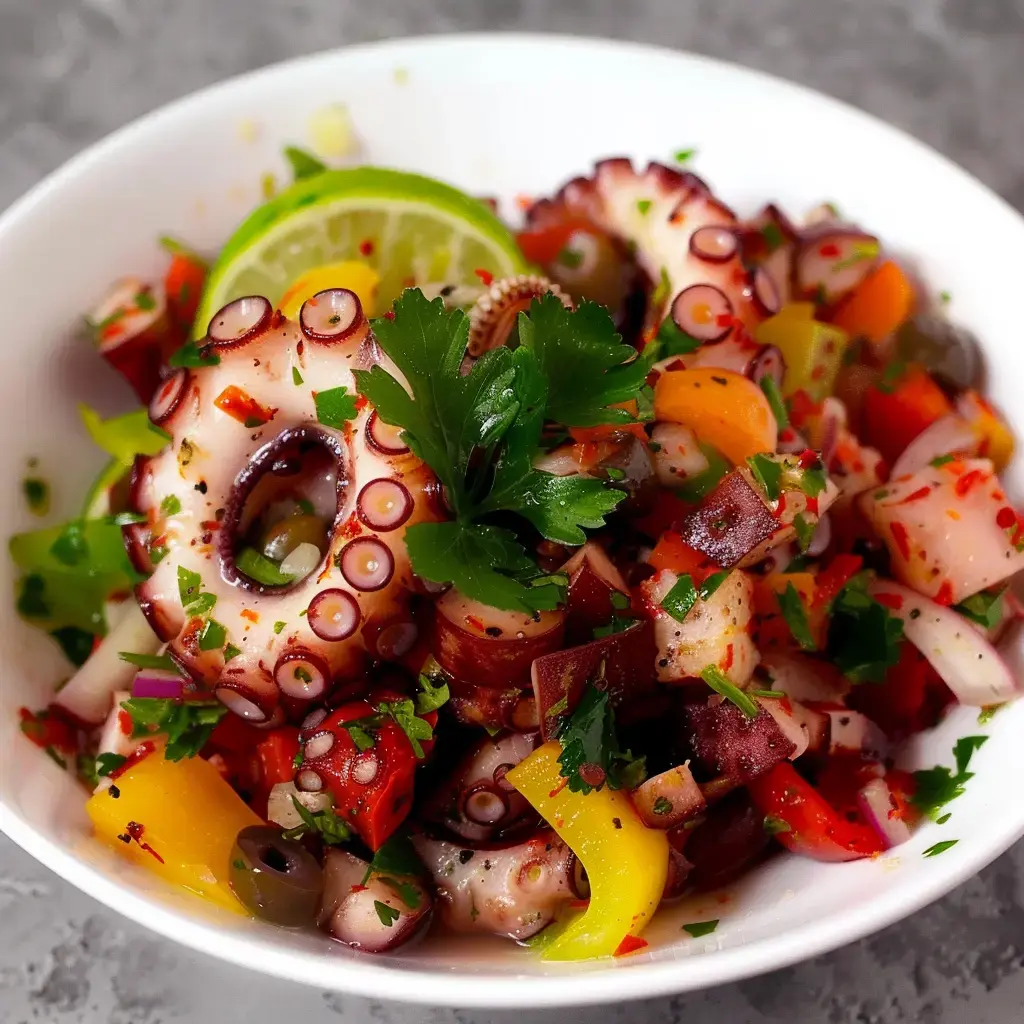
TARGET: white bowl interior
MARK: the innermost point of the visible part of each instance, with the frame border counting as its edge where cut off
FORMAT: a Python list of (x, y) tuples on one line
[(193, 170)]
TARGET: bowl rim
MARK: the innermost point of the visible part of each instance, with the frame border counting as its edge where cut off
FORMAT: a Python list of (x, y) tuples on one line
[(373, 978)]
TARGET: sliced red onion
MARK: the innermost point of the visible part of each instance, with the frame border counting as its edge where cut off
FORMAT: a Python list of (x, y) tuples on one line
[(714, 243), (878, 807), (367, 564), (821, 538), (333, 316), (384, 437), (333, 614), (301, 674), (154, 682), (769, 362), (951, 433), (791, 726), (485, 805), (365, 768), (168, 396), (831, 262), (240, 321), (384, 505), (804, 678), (318, 745), (967, 663), (704, 312), (241, 701), (308, 781), (766, 292)]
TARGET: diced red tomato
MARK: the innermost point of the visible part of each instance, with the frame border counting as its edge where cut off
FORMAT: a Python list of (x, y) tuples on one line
[(183, 285), (817, 829), (544, 244), (895, 414), (673, 553)]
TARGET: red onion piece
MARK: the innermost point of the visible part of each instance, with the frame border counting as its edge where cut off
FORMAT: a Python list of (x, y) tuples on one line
[(805, 679), (704, 312), (333, 614), (878, 807), (946, 436), (560, 678), (367, 564), (967, 663), (769, 362), (821, 538), (384, 505), (714, 244), (301, 674), (667, 800), (154, 682), (766, 292), (168, 396), (384, 437), (240, 321), (729, 523), (332, 316), (593, 580)]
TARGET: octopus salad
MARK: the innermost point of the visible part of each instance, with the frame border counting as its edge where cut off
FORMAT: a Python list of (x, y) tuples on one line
[(457, 577)]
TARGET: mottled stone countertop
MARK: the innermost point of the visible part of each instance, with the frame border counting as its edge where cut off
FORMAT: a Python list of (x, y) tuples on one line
[(949, 71)]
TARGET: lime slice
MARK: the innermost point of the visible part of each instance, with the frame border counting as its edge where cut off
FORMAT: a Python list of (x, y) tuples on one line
[(408, 229)]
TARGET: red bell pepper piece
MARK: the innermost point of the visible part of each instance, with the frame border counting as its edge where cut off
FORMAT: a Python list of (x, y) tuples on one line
[(817, 829), (183, 285), (276, 755), (894, 414)]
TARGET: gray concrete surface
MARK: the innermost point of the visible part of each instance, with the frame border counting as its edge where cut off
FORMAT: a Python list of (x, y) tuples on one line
[(949, 71)]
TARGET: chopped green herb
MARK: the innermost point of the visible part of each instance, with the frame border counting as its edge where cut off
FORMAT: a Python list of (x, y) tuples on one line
[(191, 356), (85, 765), (326, 823), (279, 625), (335, 407), (296, 376), (590, 743), (936, 787), (671, 340), (767, 474), (778, 694), (431, 695), (416, 728), (37, 495), (71, 548), (187, 724), (107, 763), (395, 858), (891, 377), (864, 636), (190, 589), (643, 206), (679, 601), (773, 825), (213, 636), (406, 891), (712, 583), (32, 602), (230, 652), (774, 396), (303, 164), (52, 754), (261, 569), (682, 156), (171, 505), (662, 806), (571, 258), (773, 239), (160, 661), (795, 614), (986, 714), (387, 915), (945, 297), (804, 531), (77, 644), (720, 683), (700, 928), (941, 460), (934, 851), (943, 819), (984, 608)]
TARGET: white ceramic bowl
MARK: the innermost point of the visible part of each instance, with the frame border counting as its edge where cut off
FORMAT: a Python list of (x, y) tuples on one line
[(451, 107)]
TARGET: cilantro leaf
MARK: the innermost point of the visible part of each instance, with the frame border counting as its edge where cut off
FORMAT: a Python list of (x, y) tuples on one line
[(76, 643), (700, 928), (388, 915), (107, 763), (187, 724), (804, 531), (864, 636), (587, 365), (774, 825), (396, 857), (767, 474), (590, 754), (934, 851), (335, 407), (795, 614), (936, 787), (193, 356), (679, 601), (431, 696), (416, 728), (332, 829), (160, 661), (71, 548), (671, 340), (984, 608), (303, 164)]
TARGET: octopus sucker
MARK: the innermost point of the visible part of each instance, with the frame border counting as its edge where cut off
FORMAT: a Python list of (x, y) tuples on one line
[(339, 492), (493, 316)]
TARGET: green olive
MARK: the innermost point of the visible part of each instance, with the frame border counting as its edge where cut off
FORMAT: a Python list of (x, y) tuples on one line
[(277, 879), (948, 351), (284, 537)]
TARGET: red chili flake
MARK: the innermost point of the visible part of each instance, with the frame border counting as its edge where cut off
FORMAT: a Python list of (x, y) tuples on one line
[(243, 407), (124, 722), (728, 658), (562, 783), (921, 492), (141, 751), (209, 524), (366, 247), (630, 944), (476, 623), (945, 594), (523, 201), (723, 320), (359, 888), (808, 458), (829, 250), (787, 434), (485, 275), (893, 601), (579, 904), (1006, 518), (967, 481), (248, 613), (812, 506), (389, 315), (135, 830), (899, 534)]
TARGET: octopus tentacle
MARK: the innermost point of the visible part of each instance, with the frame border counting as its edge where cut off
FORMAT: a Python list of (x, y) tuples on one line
[(493, 316), (243, 432)]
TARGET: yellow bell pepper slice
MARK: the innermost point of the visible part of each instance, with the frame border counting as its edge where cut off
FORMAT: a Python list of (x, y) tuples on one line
[(357, 277), (189, 818), (724, 409), (813, 351), (626, 862)]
